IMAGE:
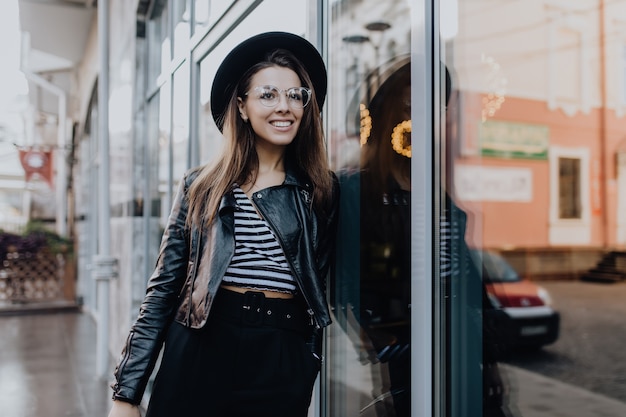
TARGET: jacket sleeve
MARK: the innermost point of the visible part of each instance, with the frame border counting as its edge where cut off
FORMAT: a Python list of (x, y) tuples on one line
[(147, 334)]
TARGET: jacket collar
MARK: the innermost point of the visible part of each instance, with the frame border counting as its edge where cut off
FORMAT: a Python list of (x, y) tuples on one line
[(228, 200), (294, 176)]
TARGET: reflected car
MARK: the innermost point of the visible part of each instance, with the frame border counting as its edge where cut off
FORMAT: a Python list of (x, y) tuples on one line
[(529, 320)]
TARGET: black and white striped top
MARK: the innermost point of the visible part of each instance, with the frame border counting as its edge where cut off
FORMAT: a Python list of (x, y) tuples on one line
[(259, 262)]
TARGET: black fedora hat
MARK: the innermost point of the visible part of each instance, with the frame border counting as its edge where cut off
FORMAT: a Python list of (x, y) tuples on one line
[(252, 51)]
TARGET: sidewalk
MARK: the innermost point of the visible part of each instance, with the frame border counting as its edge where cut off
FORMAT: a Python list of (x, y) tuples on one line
[(533, 395), (47, 369), (47, 365)]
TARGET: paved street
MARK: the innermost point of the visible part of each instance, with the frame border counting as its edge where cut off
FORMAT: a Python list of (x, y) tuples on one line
[(590, 351)]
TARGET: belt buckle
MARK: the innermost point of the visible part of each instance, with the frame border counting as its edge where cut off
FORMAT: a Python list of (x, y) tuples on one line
[(253, 308)]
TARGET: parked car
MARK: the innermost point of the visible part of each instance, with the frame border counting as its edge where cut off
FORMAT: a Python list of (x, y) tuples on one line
[(529, 320)]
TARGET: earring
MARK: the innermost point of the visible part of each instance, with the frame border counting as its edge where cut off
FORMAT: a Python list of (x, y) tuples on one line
[(399, 141), (244, 118)]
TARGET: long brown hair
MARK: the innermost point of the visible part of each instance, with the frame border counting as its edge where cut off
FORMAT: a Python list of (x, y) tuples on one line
[(387, 110), (239, 161)]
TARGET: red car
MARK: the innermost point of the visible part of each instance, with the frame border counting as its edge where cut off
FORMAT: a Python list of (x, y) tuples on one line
[(529, 321)]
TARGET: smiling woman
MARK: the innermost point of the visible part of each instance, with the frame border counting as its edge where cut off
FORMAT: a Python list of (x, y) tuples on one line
[(238, 294)]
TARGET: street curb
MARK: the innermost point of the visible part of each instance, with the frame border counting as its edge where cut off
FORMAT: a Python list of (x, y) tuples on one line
[(38, 308)]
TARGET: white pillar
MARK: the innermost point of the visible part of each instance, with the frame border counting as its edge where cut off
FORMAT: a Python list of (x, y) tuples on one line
[(104, 264)]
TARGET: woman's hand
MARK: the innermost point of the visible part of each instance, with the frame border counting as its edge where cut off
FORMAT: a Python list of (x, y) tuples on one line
[(124, 409)]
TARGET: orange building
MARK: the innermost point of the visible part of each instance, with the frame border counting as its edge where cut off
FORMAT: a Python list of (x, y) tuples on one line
[(539, 143)]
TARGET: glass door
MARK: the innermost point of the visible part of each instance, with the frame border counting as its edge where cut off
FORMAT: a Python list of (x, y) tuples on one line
[(369, 368)]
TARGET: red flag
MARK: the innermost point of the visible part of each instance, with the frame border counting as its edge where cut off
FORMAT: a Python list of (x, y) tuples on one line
[(37, 162)]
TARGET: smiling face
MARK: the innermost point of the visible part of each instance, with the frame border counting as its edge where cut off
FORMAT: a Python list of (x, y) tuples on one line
[(276, 125)]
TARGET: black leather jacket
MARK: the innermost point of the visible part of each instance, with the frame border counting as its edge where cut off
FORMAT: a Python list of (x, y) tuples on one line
[(192, 263)]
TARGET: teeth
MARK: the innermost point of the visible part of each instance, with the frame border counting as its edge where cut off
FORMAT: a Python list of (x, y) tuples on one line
[(281, 124)]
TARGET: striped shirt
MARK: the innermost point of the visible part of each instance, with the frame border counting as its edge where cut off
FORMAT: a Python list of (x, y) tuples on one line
[(259, 262)]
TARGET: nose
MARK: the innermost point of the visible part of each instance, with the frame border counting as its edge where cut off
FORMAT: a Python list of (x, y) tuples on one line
[(283, 102)]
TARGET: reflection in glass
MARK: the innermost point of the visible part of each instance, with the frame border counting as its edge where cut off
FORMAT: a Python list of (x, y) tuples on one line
[(375, 240), (535, 163), (369, 368), (569, 192), (385, 255)]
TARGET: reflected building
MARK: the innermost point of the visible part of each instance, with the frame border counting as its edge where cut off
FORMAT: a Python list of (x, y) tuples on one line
[(541, 92)]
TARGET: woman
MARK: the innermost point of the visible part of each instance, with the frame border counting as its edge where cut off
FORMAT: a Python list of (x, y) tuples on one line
[(238, 293)]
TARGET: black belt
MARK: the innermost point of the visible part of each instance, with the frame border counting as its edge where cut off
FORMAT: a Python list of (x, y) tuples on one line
[(253, 308)]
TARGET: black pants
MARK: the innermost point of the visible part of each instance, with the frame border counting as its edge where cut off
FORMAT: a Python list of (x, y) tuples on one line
[(235, 367)]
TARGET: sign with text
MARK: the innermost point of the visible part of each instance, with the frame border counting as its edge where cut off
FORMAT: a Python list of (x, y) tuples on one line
[(514, 140), (479, 183)]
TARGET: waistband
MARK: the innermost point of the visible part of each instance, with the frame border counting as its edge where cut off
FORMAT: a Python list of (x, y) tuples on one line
[(253, 308)]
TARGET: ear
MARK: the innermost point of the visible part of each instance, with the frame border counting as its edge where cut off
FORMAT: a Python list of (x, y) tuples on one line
[(242, 109)]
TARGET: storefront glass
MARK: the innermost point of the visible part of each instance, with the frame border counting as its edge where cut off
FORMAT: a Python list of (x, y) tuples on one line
[(533, 167), (369, 117), (180, 122), (159, 55), (181, 14), (152, 210), (201, 15), (207, 12), (165, 151)]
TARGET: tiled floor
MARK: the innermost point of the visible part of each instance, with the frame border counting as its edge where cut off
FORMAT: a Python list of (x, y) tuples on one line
[(47, 366)]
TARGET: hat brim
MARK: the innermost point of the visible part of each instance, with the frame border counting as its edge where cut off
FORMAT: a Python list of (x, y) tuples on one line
[(253, 50)]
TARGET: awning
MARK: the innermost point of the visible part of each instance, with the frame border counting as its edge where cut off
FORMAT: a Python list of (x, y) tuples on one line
[(56, 32)]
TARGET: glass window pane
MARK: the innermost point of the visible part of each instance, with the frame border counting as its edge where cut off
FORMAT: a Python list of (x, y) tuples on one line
[(369, 117), (201, 15), (158, 47), (208, 11), (569, 188), (182, 17), (164, 153), (210, 138), (180, 121), (154, 172), (533, 166)]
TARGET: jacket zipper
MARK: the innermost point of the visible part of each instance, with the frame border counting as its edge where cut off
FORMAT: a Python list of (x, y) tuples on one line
[(195, 268), (314, 319), (124, 360)]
